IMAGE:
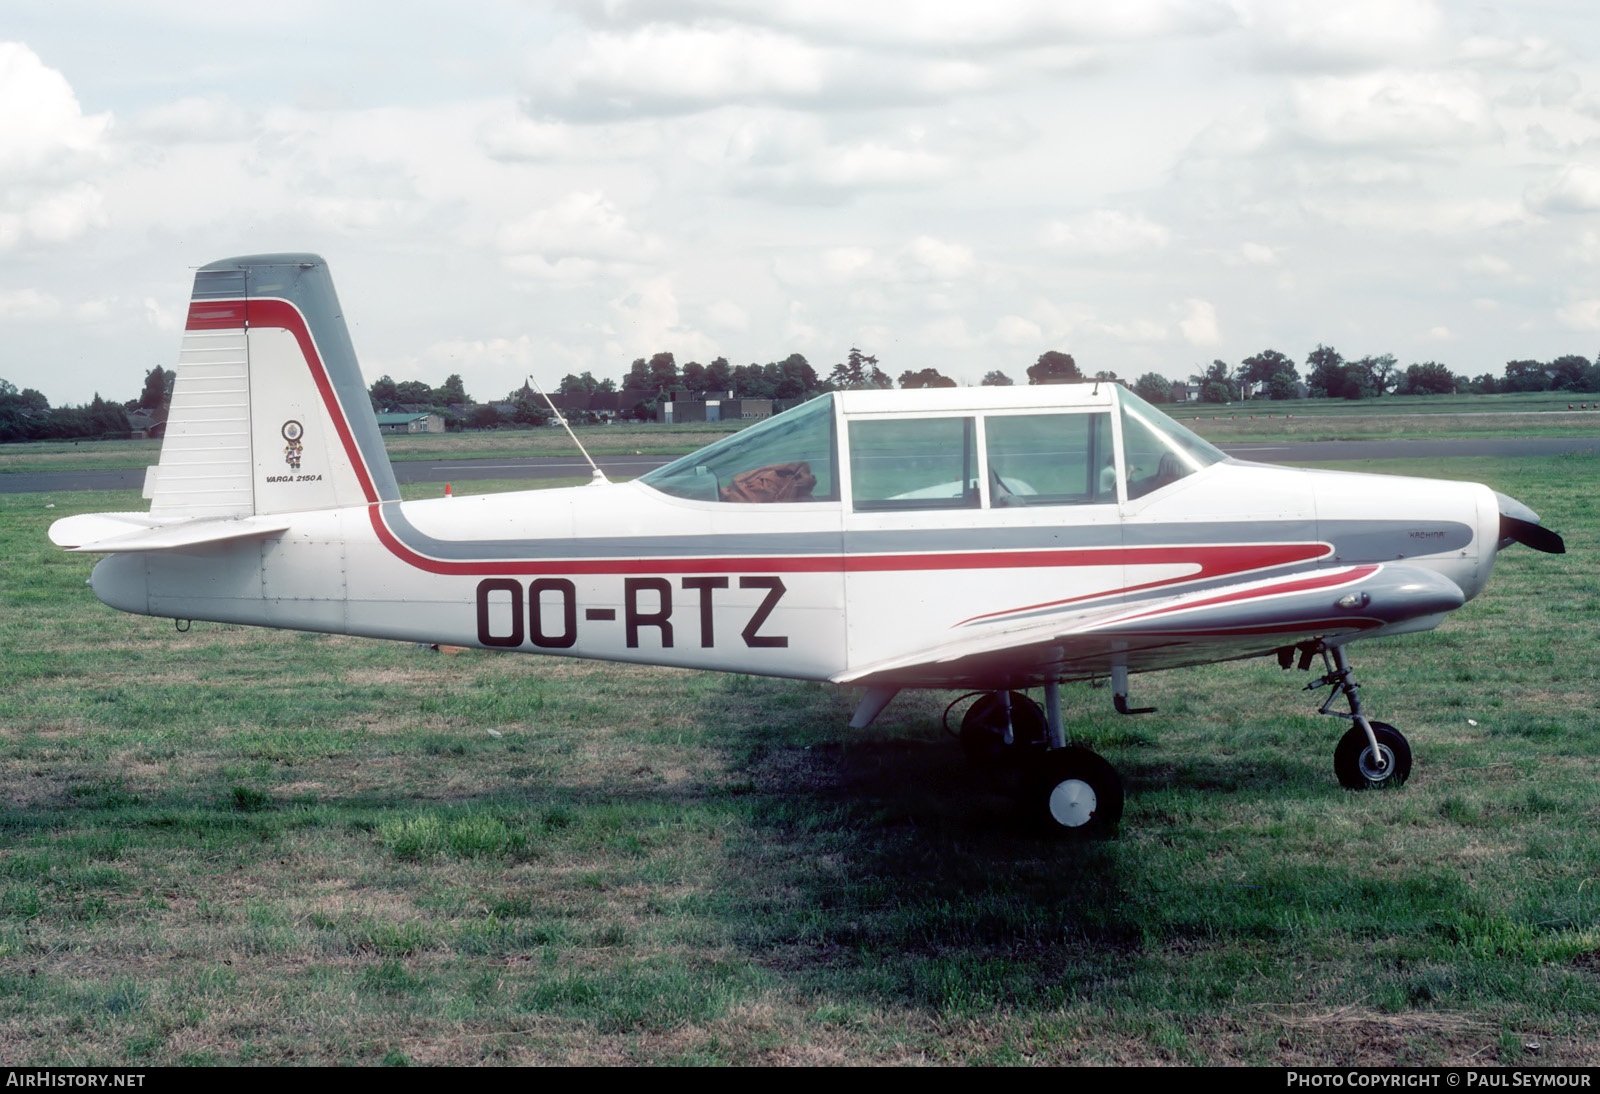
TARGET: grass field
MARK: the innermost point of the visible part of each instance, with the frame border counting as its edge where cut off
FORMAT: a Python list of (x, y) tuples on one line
[(235, 846)]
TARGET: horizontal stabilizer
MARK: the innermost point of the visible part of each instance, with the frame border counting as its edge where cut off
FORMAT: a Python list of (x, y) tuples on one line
[(107, 533)]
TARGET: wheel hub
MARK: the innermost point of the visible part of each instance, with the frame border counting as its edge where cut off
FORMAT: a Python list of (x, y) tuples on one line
[(1072, 803), (1376, 768)]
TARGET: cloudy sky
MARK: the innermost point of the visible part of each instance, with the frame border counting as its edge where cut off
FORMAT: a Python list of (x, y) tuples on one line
[(503, 187)]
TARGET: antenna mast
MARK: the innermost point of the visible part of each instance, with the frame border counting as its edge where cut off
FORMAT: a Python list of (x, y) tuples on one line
[(599, 476)]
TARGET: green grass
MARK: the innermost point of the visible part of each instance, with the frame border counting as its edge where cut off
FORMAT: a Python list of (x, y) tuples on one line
[(234, 846)]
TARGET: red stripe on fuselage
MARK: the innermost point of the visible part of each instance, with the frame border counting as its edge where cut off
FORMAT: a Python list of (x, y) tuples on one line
[(1225, 560), (272, 312), (1321, 581)]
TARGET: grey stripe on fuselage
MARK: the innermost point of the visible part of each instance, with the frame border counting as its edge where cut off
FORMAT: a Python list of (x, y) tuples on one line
[(1379, 539)]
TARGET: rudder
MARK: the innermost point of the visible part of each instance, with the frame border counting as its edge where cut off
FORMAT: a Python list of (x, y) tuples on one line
[(269, 413)]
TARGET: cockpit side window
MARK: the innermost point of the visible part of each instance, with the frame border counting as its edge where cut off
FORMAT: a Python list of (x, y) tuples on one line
[(790, 458), (1050, 459), (913, 463)]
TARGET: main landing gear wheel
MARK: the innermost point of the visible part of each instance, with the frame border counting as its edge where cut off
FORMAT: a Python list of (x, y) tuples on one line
[(1359, 769), (1075, 793), (983, 729)]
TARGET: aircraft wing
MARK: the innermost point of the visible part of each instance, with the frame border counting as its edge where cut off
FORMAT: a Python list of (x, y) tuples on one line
[(1221, 623), (107, 533)]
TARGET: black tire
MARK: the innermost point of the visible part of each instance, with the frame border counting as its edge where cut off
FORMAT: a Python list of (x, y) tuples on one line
[(983, 729), (1075, 792), (1355, 765)]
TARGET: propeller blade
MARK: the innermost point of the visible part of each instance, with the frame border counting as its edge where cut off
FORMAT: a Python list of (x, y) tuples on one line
[(1533, 535)]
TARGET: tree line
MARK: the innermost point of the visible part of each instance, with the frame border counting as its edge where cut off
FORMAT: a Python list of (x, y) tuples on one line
[(27, 415)]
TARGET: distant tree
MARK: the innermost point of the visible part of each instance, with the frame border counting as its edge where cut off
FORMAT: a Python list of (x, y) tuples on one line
[(1428, 378), (527, 408), (383, 393), (1215, 383), (452, 391), (106, 417), (1332, 378), (1570, 372), (752, 382), (1261, 367), (584, 384), (1525, 376), (1372, 376), (1054, 367), (1153, 388), (1283, 385), (694, 377), (414, 393), (660, 373), (995, 378), (796, 378), (483, 417), (24, 415), (928, 377), (858, 371), (156, 386), (1485, 384), (719, 375)]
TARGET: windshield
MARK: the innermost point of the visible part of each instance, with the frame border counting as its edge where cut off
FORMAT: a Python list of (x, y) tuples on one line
[(1157, 450), (788, 458)]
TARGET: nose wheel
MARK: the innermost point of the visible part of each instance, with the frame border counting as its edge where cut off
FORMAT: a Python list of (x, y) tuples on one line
[(1074, 792), (1360, 768)]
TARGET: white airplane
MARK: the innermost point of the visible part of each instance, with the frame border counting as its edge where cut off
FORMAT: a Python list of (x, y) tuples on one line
[(995, 539)]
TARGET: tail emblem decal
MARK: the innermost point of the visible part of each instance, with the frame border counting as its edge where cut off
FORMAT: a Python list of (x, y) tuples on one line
[(292, 432)]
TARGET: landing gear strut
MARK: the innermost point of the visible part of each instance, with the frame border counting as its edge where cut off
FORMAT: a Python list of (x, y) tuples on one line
[(1371, 755)]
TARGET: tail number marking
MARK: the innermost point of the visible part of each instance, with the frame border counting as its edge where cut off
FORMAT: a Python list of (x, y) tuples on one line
[(546, 614)]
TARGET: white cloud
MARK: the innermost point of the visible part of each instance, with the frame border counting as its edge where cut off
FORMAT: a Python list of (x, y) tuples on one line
[(792, 158), (1300, 33), (646, 321), (43, 131), (1528, 52), (1440, 334), (663, 69), (925, 256), (1013, 330), (1392, 109), (49, 153), (727, 315), (53, 216), (1106, 232), (1573, 189), (28, 305), (583, 225), (1581, 315), (207, 118), (934, 26), (1257, 254), (1199, 323)]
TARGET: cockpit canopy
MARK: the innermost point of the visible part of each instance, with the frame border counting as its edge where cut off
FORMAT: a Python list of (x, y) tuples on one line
[(947, 449)]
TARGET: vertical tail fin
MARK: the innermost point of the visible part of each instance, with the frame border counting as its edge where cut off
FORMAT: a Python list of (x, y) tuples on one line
[(269, 413)]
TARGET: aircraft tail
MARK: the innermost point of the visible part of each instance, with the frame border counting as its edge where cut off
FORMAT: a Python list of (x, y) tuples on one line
[(269, 412)]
